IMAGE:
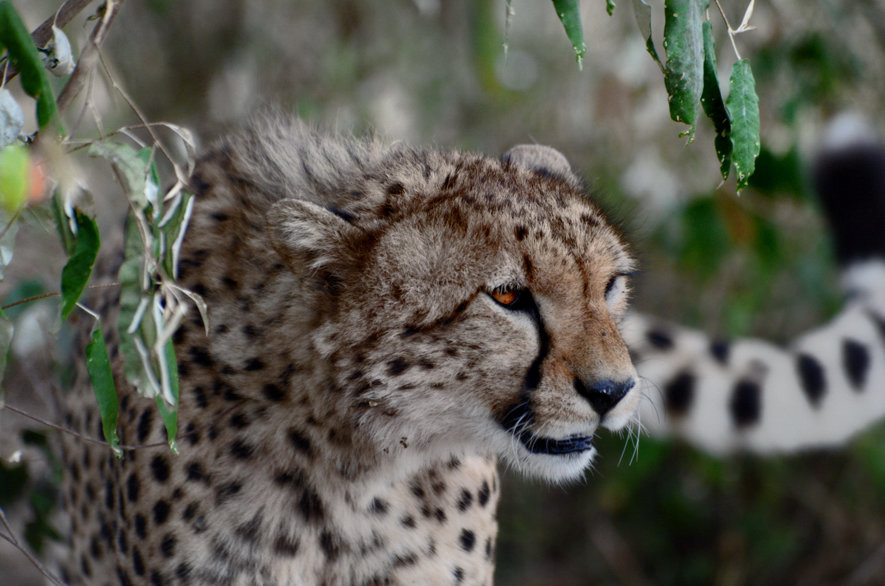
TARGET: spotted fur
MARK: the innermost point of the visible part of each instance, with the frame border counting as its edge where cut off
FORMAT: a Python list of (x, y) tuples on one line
[(342, 420)]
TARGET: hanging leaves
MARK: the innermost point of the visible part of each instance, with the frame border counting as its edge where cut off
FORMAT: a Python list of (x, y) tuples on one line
[(23, 55), (743, 106), (76, 272), (98, 365), (570, 16), (684, 71)]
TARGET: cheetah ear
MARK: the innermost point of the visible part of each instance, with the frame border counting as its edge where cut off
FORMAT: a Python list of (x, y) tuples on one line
[(314, 241), (543, 160)]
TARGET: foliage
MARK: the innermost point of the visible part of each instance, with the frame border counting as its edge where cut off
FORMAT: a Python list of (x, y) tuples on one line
[(691, 76)]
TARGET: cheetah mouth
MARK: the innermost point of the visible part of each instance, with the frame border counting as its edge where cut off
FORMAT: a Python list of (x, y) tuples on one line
[(553, 447)]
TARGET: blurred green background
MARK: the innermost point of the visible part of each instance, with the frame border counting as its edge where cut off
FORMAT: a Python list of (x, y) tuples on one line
[(434, 72)]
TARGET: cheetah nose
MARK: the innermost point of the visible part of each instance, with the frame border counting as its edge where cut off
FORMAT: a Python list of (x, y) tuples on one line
[(605, 394)]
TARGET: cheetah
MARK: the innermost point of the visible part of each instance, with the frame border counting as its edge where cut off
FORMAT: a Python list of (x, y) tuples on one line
[(385, 325)]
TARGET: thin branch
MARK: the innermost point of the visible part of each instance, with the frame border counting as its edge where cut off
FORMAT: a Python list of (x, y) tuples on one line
[(127, 447), (10, 537), (89, 56), (53, 294)]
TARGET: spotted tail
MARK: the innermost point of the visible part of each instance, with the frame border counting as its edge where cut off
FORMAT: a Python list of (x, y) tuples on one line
[(820, 390)]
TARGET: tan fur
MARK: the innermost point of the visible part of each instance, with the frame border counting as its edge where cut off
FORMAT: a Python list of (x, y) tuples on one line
[(341, 422)]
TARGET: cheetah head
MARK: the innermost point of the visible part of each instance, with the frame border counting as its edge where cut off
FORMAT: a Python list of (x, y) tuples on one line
[(471, 304)]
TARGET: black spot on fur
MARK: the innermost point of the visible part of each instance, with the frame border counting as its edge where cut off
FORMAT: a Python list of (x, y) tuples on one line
[(242, 450), (161, 511), (143, 429), (195, 471), (273, 393), (720, 349), (812, 377), (239, 421), (679, 393), (467, 539), (465, 500), (396, 188), (856, 362), (226, 491), (167, 546), (183, 572), (311, 506), (137, 562), (254, 364), (745, 404), (408, 521), (484, 494), (397, 366), (140, 526), (331, 548), (132, 488), (520, 232), (458, 574), (200, 356), (190, 511), (285, 546), (379, 506), (300, 442), (659, 339), (160, 468)]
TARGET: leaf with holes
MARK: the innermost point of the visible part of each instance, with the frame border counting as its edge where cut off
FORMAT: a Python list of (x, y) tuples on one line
[(570, 16), (714, 105), (23, 55), (743, 107), (76, 272), (98, 365), (684, 72)]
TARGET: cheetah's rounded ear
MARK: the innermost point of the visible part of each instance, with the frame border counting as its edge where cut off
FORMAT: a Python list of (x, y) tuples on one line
[(543, 160), (313, 240)]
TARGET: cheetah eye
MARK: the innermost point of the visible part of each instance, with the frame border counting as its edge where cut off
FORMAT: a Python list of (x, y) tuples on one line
[(508, 296)]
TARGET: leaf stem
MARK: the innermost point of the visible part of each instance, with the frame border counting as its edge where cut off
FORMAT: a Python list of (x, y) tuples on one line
[(731, 31), (52, 294)]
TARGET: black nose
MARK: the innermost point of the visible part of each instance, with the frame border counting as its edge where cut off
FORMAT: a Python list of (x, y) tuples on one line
[(603, 395)]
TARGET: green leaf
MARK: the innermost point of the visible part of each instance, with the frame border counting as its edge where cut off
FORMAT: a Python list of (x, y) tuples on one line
[(131, 169), (713, 104), (23, 56), (98, 365), (610, 6), (131, 294), (173, 228), (743, 107), (170, 415), (76, 272), (642, 11), (570, 15), (684, 46)]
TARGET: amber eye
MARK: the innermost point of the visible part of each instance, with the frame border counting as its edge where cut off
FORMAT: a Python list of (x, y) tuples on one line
[(505, 297)]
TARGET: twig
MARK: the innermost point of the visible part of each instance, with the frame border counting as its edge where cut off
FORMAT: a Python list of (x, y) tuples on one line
[(89, 56), (53, 294), (10, 537), (744, 26), (127, 447)]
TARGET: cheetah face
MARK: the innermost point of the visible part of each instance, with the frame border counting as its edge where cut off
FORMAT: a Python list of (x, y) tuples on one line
[(479, 318)]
